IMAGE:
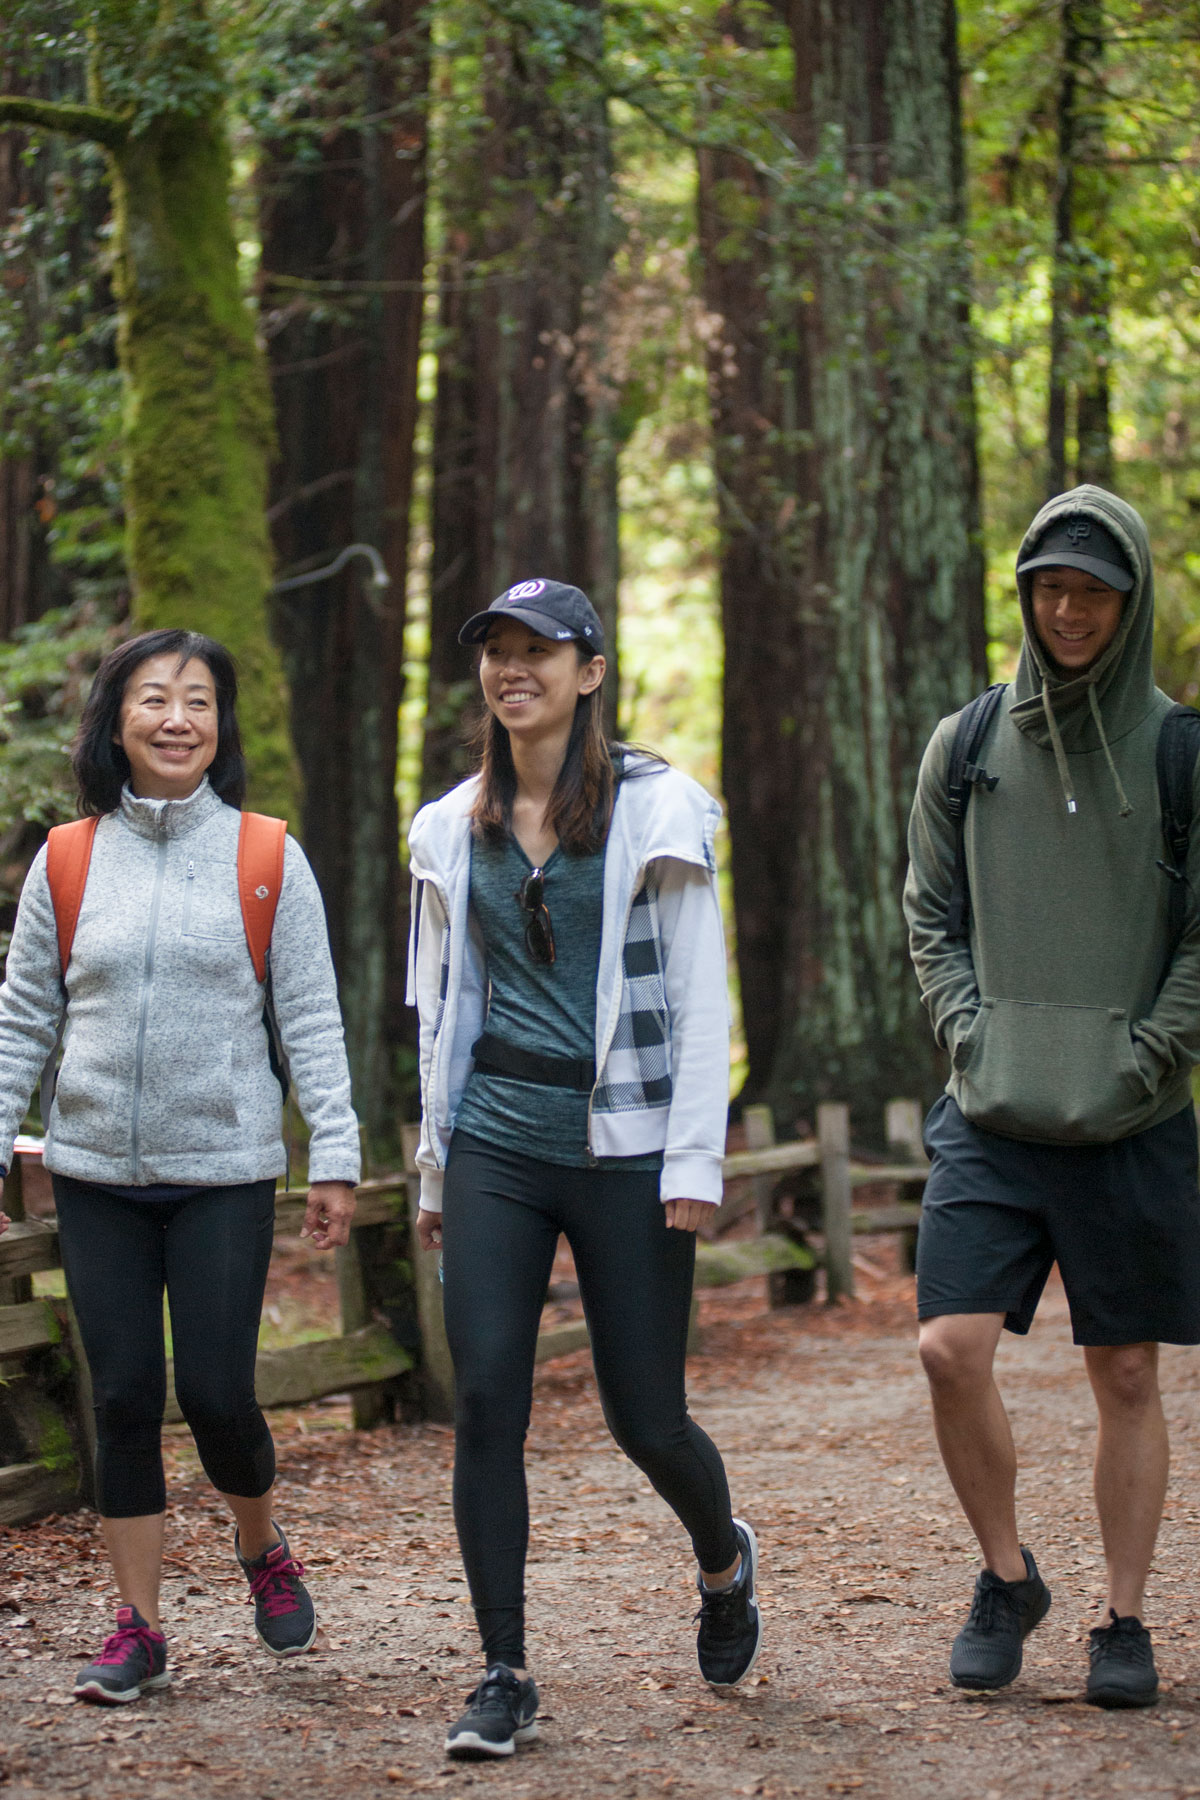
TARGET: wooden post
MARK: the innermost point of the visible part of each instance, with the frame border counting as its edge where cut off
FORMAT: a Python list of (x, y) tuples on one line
[(437, 1370), (370, 1406), (903, 1127), (16, 1288), (758, 1123), (833, 1137)]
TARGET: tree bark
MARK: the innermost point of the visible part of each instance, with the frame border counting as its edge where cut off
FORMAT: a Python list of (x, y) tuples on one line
[(1080, 330), (886, 563), (525, 464), (345, 382), (762, 433)]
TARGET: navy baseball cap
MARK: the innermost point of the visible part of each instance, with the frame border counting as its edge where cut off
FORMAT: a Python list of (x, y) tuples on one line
[(553, 609), (1081, 542)]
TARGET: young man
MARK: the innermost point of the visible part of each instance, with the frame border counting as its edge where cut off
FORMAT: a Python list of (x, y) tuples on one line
[(1072, 1020)]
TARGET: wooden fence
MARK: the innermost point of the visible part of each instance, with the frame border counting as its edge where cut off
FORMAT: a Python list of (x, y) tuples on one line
[(47, 1403)]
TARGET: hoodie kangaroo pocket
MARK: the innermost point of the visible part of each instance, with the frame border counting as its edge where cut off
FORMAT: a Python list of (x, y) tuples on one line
[(1062, 1074)]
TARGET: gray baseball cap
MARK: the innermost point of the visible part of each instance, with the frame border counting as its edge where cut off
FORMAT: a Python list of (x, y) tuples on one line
[(553, 609), (1081, 542)]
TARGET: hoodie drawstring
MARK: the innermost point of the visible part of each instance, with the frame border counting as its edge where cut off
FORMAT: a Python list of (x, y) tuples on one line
[(1056, 744), (1123, 806), (1060, 756)]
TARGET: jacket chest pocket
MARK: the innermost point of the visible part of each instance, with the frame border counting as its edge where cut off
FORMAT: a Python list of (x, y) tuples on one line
[(211, 906)]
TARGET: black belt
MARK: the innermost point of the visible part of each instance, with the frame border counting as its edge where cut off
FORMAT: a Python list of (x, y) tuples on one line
[(494, 1057)]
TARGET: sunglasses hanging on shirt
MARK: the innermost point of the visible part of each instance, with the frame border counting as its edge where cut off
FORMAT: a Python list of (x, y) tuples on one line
[(539, 934)]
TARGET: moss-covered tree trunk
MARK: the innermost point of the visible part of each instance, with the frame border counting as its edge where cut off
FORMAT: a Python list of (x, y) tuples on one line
[(343, 252), (525, 465), (198, 431)]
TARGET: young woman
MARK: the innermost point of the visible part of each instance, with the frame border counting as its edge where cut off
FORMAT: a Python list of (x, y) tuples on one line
[(569, 969), (164, 1137)]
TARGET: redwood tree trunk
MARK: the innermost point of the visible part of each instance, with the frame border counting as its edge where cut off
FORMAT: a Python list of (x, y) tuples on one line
[(344, 372), (1080, 333), (759, 399), (525, 470), (884, 632)]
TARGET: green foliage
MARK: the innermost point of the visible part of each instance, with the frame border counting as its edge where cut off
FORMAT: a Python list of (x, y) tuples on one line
[(45, 674)]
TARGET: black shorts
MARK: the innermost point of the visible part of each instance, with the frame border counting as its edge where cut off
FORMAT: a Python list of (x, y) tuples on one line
[(1121, 1220)]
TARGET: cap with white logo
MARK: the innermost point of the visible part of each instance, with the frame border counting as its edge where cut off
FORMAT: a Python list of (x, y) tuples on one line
[(553, 609)]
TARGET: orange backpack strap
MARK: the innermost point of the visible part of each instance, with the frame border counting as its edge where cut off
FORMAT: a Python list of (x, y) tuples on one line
[(68, 858), (260, 881)]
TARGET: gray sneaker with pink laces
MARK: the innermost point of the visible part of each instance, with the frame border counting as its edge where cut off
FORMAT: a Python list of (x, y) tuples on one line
[(133, 1660), (284, 1616)]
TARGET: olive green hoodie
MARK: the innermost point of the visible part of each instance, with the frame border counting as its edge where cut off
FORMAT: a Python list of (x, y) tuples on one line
[(1064, 1022)]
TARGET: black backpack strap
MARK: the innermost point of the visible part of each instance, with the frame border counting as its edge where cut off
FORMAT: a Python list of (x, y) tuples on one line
[(1178, 748), (963, 773)]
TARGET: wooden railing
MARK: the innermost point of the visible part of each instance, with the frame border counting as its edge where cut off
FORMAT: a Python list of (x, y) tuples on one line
[(46, 1388)]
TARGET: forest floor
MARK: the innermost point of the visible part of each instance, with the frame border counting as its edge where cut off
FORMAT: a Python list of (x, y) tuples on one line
[(866, 1573)]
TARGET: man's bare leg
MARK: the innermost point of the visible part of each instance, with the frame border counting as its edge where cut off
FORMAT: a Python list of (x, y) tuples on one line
[(973, 1434), (1132, 1460)]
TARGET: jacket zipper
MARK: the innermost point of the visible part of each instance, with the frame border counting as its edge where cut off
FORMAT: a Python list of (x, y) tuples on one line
[(144, 1002), (188, 891)]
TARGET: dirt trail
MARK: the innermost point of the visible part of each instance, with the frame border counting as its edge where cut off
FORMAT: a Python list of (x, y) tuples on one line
[(866, 1571)]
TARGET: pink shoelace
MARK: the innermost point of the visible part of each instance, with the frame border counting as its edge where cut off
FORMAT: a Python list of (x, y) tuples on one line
[(273, 1584), (130, 1637)]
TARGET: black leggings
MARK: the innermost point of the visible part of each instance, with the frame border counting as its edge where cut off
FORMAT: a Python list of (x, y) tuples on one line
[(210, 1252), (503, 1213)]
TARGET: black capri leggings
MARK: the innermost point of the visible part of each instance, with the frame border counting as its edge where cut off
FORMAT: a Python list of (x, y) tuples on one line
[(210, 1252), (502, 1216)]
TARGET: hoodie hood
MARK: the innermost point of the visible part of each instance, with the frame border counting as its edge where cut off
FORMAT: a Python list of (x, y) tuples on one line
[(1110, 699)]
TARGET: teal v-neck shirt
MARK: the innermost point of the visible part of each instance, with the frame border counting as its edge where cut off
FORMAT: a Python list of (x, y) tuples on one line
[(548, 1008)]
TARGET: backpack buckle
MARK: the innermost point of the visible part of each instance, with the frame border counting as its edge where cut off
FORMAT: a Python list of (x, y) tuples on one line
[(975, 775)]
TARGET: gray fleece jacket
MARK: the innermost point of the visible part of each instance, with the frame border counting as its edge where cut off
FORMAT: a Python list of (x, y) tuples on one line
[(165, 1074)]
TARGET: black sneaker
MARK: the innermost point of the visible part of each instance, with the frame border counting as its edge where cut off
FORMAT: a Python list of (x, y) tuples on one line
[(284, 1616), (987, 1651), (499, 1716), (1122, 1671), (730, 1634), (133, 1660)]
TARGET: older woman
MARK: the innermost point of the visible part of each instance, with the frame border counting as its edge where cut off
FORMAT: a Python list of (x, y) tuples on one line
[(164, 1138)]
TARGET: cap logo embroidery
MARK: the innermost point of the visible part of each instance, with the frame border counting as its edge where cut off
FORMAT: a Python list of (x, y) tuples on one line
[(1078, 529), (261, 893), (526, 590)]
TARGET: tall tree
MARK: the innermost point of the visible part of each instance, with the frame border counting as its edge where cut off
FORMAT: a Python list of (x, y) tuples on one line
[(868, 385), (760, 402), (343, 206), (198, 428), (524, 456), (1081, 296)]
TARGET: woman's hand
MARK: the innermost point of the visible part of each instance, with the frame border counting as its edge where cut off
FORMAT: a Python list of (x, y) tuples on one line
[(686, 1215), (429, 1229), (328, 1214)]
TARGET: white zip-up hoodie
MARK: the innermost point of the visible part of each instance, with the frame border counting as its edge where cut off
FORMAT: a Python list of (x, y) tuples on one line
[(662, 958)]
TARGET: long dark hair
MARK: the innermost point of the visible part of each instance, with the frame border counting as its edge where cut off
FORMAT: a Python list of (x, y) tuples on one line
[(102, 767), (581, 804)]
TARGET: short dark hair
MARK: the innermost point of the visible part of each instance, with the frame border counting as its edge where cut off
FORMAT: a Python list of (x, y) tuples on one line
[(102, 767)]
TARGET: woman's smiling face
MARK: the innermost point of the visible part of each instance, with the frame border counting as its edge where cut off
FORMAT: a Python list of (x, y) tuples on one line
[(530, 683), (168, 726)]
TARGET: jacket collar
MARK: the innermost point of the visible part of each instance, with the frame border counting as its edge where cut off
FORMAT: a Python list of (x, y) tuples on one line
[(169, 818), (660, 812)]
